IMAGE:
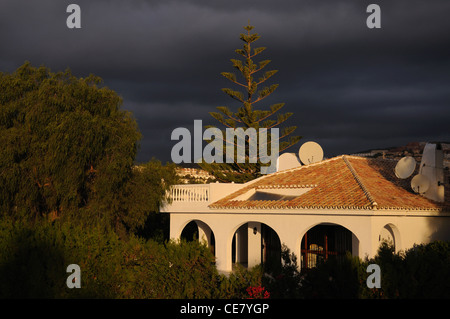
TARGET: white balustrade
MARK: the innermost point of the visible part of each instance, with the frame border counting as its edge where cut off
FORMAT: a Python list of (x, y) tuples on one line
[(190, 193)]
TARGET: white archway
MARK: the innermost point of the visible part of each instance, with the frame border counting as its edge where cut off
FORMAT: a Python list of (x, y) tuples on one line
[(390, 234), (323, 240), (255, 242), (290, 229), (205, 233)]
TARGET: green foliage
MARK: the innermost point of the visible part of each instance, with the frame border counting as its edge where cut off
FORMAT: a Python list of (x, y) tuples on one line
[(392, 272), (284, 282), (333, 279), (173, 270), (70, 193), (69, 150), (34, 258), (247, 116), (428, 271), (420, 272), (33, 261), (64, 139), (142, 194), (235, 285)]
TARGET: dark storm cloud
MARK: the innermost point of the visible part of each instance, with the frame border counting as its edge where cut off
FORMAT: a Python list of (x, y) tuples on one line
[(350, 88)]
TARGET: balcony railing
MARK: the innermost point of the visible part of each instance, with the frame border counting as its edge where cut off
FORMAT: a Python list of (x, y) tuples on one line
[(190, 193), (196, 197)]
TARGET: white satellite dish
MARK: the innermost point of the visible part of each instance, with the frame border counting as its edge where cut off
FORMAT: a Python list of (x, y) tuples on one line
[(420, 183), (310, 152), (405, 167), (287, 161)]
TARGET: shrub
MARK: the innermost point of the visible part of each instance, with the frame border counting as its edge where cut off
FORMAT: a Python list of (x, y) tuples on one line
[(183, 270), (426, 271), (34, 257), (332, 279), (284, 282), (234, 286), (420, 272), (33, 261)]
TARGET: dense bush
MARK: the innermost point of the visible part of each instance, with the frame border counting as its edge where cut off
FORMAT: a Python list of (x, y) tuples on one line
[(235, 285), (429, 271), (33, 261), (173, 270), (34, 258), (420, 272), (332, 279), (284, 281)]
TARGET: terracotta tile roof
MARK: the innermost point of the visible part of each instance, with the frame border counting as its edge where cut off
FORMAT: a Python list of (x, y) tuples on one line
[(346, 182)]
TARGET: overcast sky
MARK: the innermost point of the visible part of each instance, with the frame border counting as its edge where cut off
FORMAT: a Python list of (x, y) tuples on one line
[(350, 88)]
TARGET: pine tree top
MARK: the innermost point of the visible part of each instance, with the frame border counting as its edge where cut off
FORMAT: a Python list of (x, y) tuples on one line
[(247, 116)]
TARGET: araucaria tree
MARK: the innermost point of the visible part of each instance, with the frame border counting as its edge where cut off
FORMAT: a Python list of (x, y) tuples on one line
[(247, 116)]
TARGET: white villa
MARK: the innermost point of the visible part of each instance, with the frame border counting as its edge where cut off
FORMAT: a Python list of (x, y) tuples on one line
[(345, 203)]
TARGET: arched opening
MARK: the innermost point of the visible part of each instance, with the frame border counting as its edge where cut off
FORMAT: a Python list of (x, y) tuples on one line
[(198, 230), (256, 243), (389, 234), (326, 241), (190, 231)]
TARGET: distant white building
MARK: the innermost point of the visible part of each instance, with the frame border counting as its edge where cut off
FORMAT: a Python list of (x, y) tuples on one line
[(198, 175), (345, 203)]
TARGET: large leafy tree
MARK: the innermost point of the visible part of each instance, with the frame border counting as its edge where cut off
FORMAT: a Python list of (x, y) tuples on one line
[(68, 151), (247, 116)]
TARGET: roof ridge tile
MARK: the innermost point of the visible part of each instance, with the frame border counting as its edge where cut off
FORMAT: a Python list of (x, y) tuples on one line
[(360, 182)]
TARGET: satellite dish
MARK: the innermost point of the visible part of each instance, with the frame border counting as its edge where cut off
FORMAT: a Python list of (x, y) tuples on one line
[(420, 183), (287, 161), (310, 152), (405, 167)]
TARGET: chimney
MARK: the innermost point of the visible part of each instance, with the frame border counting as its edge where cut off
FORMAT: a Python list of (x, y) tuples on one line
[(432, 166)]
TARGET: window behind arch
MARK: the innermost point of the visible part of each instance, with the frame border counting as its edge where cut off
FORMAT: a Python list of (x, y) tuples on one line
[(323, 242)]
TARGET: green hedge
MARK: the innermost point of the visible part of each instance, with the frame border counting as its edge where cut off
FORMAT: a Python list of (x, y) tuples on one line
[(34, 258), (420, 272), (33, 262)]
